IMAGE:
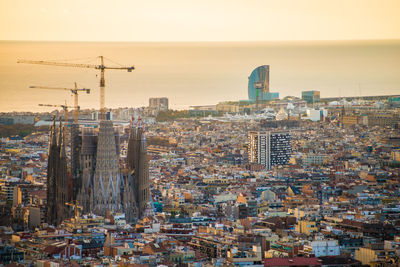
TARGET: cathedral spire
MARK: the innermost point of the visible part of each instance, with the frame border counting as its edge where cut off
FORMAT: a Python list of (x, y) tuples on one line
[(53, 132), (62, 145), (60, 133), (137, 164), (107, 183)]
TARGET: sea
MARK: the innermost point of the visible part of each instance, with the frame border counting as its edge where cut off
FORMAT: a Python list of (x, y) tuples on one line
[(190, 74)]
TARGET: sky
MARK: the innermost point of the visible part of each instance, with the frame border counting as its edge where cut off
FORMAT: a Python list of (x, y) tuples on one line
[(198, 20)]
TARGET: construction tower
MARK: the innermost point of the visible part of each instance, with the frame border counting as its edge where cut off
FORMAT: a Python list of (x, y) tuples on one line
[(57, 178), (138, 165), (107, 182)]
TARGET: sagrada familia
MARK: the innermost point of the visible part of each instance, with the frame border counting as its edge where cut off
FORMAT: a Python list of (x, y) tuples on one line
[(96, 179)]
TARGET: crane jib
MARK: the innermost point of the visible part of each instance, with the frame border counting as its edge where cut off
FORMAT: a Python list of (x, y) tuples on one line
[(100, 67)]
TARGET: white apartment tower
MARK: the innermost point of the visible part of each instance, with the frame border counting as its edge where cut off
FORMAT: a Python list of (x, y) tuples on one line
[(269, 148)]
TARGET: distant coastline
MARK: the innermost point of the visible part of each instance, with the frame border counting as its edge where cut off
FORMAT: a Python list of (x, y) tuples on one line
[(198, 73)]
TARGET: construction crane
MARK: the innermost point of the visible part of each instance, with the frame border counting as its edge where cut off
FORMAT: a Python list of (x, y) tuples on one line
[(74, 91), (64, 107), (76, 208), (100, 67)]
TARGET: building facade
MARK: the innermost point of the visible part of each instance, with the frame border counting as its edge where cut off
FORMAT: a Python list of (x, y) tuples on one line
[(158, 103), (311, 96), (323, 248), (88, 152), (383, 120), (258, 88), (269, 148)]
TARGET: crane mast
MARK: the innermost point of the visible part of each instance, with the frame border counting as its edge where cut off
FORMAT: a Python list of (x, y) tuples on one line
[(76, 208), (76, 109), (100, 67), (64, 107), (102, 91)]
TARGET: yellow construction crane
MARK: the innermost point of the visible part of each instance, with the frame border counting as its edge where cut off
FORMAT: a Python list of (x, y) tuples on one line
[(76, 208), (100, 67), (74, 91), (64, 107)]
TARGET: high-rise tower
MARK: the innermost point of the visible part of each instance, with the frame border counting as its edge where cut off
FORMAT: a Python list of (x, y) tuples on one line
[(57, 178), (107, 182), (87, 168), (75, 161), (51, 209), (269, 148), (138, 165), (259, 85), (63, 182)]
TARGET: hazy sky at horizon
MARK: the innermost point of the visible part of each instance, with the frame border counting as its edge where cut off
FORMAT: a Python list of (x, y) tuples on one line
[(205, 20)]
